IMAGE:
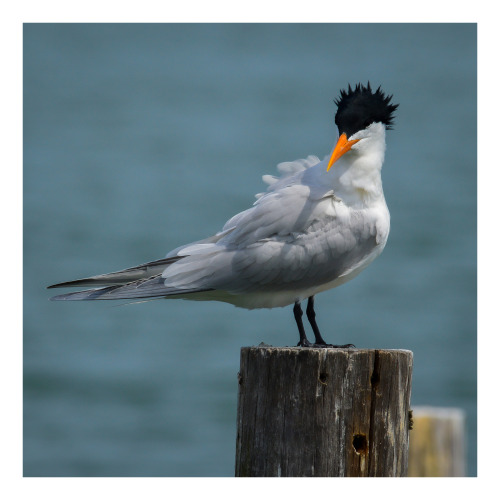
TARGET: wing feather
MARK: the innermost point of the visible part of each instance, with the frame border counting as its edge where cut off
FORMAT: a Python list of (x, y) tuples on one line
[(153, 286), (125, 276)]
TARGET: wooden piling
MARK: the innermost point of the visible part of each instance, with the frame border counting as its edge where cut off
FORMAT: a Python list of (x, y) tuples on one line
[(323, 412), (437, 442)]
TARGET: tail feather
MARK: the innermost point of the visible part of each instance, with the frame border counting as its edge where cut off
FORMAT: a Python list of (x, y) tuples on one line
[(153, 286), (141, 272)]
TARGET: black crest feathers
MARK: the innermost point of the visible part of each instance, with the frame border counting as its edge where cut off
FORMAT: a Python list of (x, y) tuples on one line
[(360, 107)]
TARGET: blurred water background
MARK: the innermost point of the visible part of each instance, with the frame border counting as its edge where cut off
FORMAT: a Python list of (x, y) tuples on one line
[(139, 138)]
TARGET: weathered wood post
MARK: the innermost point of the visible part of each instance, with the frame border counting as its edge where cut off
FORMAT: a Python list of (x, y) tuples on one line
[(323, 412)]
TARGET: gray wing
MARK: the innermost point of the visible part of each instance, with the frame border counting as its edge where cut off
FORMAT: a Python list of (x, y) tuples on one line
[(290, 239), (136, 282)]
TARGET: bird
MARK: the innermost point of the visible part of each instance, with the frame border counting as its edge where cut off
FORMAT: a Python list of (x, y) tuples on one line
[(317, 226)]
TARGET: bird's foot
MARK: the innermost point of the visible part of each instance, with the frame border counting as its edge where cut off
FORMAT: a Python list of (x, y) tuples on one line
[(324, 345), (304, 343)]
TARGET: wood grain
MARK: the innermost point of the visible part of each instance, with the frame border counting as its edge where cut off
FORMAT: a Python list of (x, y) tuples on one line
[(323, 412)]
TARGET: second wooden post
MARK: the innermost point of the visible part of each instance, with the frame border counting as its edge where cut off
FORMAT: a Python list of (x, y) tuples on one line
[(323, 412)]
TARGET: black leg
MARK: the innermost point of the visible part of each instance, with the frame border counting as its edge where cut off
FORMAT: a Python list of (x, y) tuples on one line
[(297, 312), (311, 316)]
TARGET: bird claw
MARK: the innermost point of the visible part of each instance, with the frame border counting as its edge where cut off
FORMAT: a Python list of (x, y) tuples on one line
[(304, 343), (324, 345), (335, 346)]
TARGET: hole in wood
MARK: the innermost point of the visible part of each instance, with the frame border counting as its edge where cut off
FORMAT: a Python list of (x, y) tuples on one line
[(360, 444), (323, 377)]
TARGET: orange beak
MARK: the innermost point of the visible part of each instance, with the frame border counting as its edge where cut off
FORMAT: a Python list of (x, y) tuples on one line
[(343, 145)]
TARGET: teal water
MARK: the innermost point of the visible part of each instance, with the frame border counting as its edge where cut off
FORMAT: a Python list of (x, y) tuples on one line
[(139, 138)]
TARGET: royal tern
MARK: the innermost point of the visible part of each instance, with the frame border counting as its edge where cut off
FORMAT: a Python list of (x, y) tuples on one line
[(315, 228)]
